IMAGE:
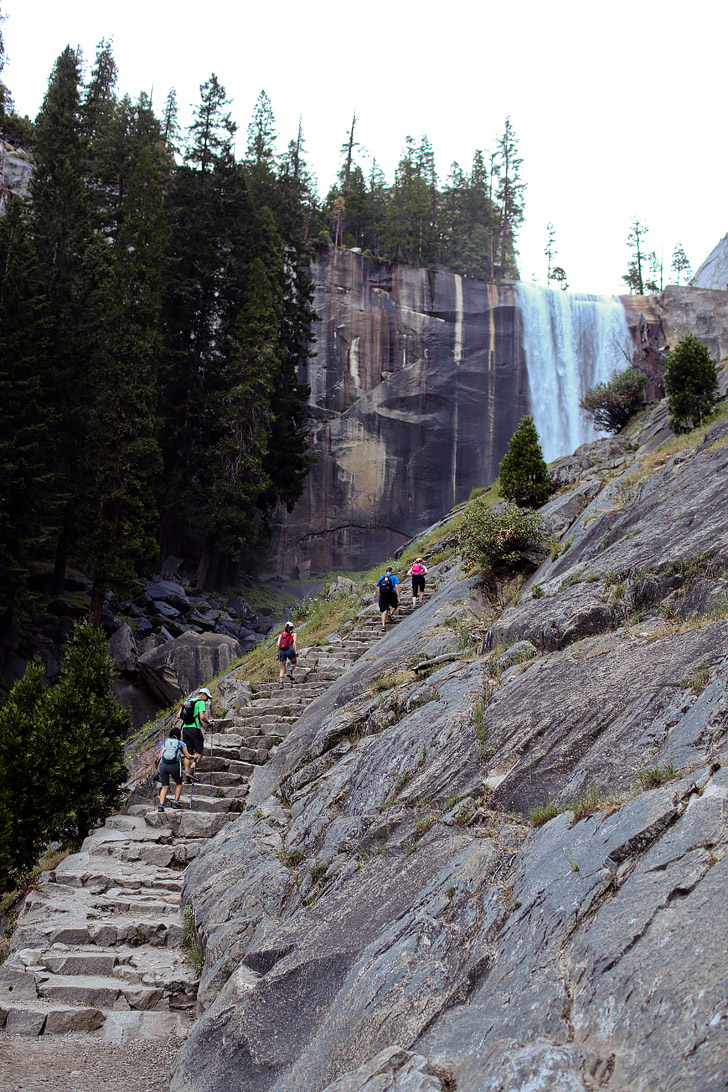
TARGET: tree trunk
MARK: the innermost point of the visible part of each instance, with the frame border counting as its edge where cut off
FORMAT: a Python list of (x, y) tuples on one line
[(97, 604)]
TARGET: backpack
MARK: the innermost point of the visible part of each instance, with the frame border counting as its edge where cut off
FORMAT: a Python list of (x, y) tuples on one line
[(170, 747), (188, 711), (385, 584), (286, 639), (416, 569)]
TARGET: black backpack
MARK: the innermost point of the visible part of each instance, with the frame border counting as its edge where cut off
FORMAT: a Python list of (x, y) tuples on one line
[(385, 584), (188, 711)]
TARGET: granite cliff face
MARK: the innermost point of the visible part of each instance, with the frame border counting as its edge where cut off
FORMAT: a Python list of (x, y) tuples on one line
[(384, 916), (418, 381), (406, 361)]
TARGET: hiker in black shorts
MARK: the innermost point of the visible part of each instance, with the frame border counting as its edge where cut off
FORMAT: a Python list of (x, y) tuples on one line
[(388, 589), (418, 572), (192, 736), (171, 755)]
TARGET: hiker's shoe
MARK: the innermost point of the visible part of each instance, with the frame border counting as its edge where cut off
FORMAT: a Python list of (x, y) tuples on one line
[(161, 807), (189, 778), (177, 804), (291, 678)]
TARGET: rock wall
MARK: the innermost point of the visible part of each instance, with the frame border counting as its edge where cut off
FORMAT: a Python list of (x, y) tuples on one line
[(418, 383), (713, 273)]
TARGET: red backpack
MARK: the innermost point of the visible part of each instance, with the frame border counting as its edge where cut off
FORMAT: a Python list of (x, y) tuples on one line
[(416, 569), (286, 640)]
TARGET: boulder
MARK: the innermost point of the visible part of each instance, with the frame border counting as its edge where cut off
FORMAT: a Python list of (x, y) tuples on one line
[(123, 649), (178, 666), (170, 592)]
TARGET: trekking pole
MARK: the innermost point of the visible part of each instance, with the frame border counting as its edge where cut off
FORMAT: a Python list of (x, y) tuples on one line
[(212, 747), (192, 790)]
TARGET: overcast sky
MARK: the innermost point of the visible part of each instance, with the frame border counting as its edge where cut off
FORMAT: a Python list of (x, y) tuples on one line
[(619, 108)]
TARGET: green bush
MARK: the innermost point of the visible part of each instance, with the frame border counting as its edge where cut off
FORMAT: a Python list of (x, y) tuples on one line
[(523, 475), (691, 384), (490, 538), (610, 405), (61, 753)]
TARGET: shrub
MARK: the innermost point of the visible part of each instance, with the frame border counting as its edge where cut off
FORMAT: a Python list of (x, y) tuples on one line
[(610, 405), (691, 384), (74, 735), (523, 475), (490, 538)]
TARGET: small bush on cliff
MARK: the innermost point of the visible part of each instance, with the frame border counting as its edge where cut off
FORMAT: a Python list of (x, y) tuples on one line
[(691, 384), (523, 474), (491, 538), (610, 405)]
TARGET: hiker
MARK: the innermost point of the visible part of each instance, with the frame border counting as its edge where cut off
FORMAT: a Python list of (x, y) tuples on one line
[(172, 753), (418, 572), (389, 592), (287, 651), (193, 714)]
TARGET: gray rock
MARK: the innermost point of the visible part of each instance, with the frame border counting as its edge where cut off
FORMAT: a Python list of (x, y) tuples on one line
[(175, 668), (518, 653), (169, 592), (123, 649)]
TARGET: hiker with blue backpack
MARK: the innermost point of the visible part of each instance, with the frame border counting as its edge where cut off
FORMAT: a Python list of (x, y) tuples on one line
[(418, 572), (193, 714), (171, 756), (389, 591)]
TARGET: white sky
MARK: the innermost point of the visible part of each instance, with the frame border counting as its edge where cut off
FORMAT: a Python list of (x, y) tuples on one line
[(618, 107)]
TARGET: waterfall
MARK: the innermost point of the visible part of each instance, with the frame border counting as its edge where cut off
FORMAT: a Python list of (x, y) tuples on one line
[(571, 342)]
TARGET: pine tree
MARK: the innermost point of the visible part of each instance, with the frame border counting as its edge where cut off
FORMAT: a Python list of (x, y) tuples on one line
[(635, 277), (85, 772), (123, 455), (27, 739), (523, 474), (510, 197), (30, 493), (61, 228), (681, 264), (691, 384)]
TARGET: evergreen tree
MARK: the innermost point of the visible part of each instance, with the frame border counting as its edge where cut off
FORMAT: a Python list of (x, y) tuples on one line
[(681, 264), (209, 254), (635, 278), (691, 384), (25, 733), (29, 496), (123, 454), (73, 736), (523, 474), (510, 196), (61, 228), (86, 770)]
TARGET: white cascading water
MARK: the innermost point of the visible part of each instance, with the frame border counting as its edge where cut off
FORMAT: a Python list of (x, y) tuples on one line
[(571, 342)]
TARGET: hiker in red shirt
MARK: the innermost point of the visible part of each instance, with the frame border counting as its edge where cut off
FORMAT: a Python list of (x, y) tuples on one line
[(287, 650)]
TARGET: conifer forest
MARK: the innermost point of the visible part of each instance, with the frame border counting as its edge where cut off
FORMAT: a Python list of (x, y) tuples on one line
[(156, 319)]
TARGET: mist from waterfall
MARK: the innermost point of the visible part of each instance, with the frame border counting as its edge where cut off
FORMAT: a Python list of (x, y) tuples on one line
[(571, 342)]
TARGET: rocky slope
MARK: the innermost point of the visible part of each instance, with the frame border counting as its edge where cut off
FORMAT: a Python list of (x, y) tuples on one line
[(386, 916)]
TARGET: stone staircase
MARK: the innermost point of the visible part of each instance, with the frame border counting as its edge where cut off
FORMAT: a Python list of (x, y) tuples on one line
[(99, 942)]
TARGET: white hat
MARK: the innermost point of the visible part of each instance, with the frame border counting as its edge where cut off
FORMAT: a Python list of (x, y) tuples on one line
[(204, 690)]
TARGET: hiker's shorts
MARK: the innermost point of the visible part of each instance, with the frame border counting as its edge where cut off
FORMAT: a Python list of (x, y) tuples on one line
[(286, 654), (418, 583), (193, 739), (169, 770), (387, 600)]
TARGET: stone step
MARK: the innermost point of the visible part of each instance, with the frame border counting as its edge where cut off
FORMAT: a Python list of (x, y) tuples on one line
[(33, 1019), (104, 992)]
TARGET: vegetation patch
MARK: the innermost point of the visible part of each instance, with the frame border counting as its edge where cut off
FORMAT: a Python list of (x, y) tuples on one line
[(190, 943), (657, 775)]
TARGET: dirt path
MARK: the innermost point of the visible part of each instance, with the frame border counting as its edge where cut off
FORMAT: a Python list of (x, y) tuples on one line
[(83, 1063)]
